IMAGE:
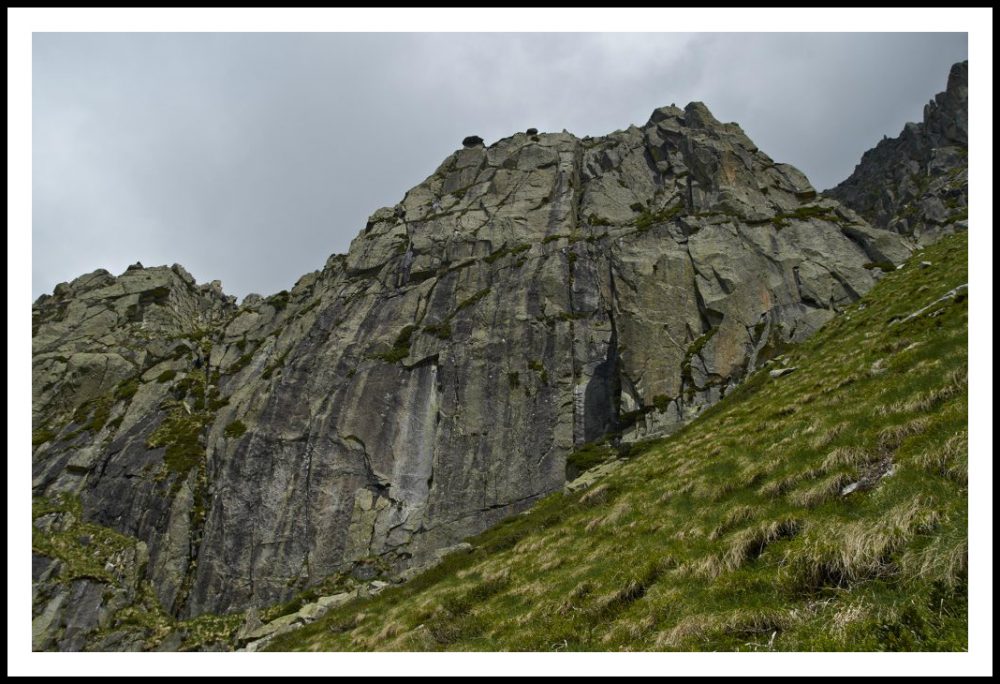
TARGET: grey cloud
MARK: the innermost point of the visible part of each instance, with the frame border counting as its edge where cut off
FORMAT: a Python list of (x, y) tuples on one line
[(252, 157)]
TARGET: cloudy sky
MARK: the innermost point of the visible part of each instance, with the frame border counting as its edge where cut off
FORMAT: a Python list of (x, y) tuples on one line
[(251, 157)]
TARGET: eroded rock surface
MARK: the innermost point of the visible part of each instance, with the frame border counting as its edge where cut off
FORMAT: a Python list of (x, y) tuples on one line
[(527, 298)]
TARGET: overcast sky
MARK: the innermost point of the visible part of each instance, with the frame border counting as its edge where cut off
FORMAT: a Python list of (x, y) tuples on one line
[(250, 158)]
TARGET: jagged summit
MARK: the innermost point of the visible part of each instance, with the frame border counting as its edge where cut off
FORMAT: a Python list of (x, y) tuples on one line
[(526, 299), (917, 183)]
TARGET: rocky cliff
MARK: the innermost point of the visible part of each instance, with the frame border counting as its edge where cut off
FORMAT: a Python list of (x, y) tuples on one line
[(918, 184), (193, 456)]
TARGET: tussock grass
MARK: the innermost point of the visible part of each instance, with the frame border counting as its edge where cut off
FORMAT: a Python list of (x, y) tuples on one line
[(733, 534), (950, 460), (733, 518), (821, 492), (857, 551), (847, 456), (746, 546)]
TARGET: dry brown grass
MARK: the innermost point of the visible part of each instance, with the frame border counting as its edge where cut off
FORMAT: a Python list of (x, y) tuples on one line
[(735, 517), (616, 514), (850, 552), (742, 622), (944, 560), (780, 486), (821, 492), (595, 495), (826, 437), (890, 438), (950, 461), (744, 546), (847, 456)]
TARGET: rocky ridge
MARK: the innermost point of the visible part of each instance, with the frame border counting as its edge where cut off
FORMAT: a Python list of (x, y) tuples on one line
[(527, 299), (917, 184)]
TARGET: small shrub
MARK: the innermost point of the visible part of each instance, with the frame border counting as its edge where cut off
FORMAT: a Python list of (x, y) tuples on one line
[(279, 301)]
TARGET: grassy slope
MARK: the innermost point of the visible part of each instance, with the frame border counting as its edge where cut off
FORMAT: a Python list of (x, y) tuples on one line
[(733, 534)]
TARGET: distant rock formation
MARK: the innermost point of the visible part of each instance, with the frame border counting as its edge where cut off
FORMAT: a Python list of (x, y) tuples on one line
[(917, 184)]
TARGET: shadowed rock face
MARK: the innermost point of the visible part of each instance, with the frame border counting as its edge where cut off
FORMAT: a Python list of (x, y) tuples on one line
[(526, 298), (918, 184)]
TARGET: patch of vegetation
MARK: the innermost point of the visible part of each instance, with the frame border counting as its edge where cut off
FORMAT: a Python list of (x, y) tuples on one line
[(180, 432), (465, 303), (962, 215), (41, 436), (166, 376), (595, 220), (884, 266), (693, 350), (275, 365), (333, 584), (92, 415), (587, 456), (126, 389), (85, 549), (539, 368), (662, 402), (279, 301), (629, 418), (804, 213), (400, 348), (441, 330), (241, 363), (235, 429), (739, 531), (505, 251), (647, 219)]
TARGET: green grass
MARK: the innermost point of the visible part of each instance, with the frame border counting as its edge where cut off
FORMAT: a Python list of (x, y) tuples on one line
[(400, 348), (167, 375), (180, 433), (84, 548), (279, 301), (587, 456), (804, 213), (504, 251), (733, 533), (647, 219), (442, 330), (41, 436), (235, 429)]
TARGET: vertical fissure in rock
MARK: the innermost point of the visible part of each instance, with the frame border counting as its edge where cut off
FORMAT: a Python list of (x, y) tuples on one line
[(602, 396)]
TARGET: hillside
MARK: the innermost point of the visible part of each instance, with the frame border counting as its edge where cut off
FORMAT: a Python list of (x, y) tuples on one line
[(528, 298), (824, 509), (672, 388)]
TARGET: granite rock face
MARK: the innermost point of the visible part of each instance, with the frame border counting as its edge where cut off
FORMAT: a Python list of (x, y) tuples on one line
[(917, 184), (527, 298)]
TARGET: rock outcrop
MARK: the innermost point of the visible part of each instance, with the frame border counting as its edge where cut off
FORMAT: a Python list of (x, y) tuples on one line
[(527, 298), (918, 184)]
